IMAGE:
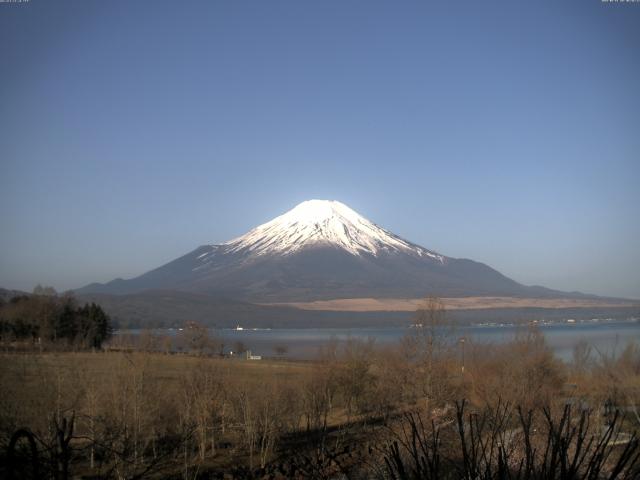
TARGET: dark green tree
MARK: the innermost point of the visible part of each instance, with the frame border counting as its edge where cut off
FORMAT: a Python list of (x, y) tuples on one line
[(94, 325)]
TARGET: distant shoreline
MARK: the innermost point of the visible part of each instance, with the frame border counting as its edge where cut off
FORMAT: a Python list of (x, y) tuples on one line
[(303, 343), (540, 323), (451, 303)]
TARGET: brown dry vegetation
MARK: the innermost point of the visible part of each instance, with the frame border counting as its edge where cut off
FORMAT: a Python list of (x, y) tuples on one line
[(356, 412)]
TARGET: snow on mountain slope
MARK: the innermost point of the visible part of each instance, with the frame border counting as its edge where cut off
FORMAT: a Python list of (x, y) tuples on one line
[(323, 222), (320, 250)]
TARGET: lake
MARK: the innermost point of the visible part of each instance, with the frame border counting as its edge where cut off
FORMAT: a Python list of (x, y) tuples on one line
[(605, 336)]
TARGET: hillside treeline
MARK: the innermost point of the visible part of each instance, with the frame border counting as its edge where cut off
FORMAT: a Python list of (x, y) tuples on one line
[(46, 319), (432, 407)]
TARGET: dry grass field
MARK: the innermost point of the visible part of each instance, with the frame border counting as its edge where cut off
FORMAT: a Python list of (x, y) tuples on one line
[(458, 303), (128, 406), (30, 369), (143, 414)]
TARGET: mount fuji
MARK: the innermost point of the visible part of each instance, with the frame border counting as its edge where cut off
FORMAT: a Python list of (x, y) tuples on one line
[(321, 250)]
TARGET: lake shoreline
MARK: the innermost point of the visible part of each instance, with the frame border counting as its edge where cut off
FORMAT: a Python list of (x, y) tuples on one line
[(607, 336)]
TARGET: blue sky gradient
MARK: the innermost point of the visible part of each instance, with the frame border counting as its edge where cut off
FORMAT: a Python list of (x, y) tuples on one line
[(506, 132)]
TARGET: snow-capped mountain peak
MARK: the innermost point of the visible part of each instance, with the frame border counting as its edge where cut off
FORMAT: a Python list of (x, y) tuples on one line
[(319, 250), (323, 223)]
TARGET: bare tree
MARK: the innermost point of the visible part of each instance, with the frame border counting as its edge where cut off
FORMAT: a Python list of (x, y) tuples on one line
[(582, 356), (196, 339), (239, 348), (428, 345), (280, 350), (355, 380)]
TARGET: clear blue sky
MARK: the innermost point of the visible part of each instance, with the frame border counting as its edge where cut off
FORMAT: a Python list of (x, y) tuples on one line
[(506, 132)]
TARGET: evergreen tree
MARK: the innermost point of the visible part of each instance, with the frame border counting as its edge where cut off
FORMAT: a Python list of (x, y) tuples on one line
[(54, 319), (66, 326)]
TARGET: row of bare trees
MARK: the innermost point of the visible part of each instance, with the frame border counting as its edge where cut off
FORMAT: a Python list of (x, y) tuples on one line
[(137, 414)]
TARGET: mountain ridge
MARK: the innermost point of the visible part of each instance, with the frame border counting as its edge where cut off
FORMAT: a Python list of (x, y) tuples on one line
[(321, 250)]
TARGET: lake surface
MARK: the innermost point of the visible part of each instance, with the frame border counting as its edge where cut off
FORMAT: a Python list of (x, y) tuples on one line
[(605, 336)]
